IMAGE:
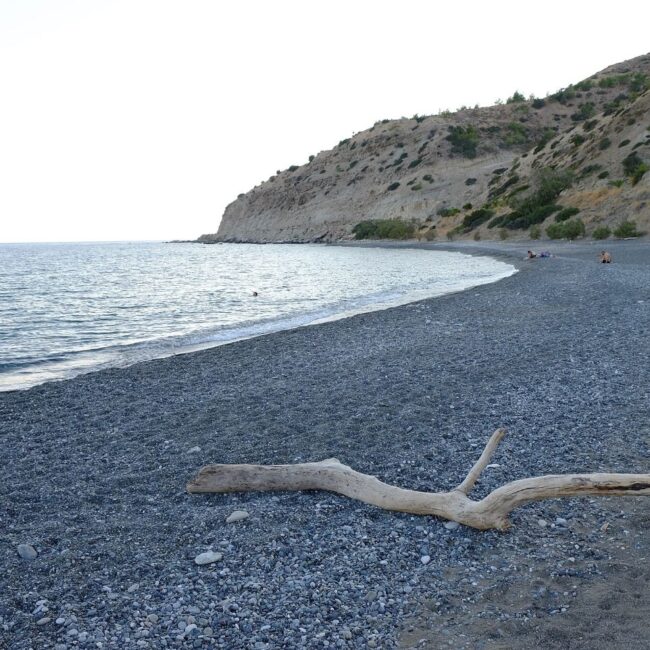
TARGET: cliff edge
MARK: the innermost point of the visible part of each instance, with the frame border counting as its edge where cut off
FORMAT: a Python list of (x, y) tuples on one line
[(507, 168)]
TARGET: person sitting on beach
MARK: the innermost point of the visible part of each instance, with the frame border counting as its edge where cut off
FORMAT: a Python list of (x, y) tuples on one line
[(605, 257)]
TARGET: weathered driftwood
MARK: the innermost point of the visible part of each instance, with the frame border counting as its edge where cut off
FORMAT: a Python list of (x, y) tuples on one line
[(490, 512)]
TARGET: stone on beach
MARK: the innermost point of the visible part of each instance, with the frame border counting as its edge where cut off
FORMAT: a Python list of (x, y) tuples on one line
[(26, 551), (208, 557), (237, 515)]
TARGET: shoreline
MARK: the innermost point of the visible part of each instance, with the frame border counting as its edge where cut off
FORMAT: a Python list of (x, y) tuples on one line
[(157, 349), (557, 353)]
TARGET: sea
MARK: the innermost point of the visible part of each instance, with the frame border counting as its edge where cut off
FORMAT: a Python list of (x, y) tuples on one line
[(72, 308)]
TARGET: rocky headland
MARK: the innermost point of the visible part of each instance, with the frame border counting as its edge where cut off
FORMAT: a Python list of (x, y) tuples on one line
[(509, 170)]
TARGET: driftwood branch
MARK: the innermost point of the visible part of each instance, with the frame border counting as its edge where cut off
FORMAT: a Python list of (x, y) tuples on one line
[(466, 486), (490, 512)]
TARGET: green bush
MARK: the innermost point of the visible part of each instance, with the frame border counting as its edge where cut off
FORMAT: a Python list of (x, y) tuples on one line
[(476, 218), (383, 229), (539, 205), (538, 103), (584, 112), (293, 168), (535, 232), (604, 143), (566, 213), (564, 96), (566, 230), (516, 134), (602, 232), (626, 229), (470, 181), (503, 234), (547, 136), (447, 212), (585, 85), (498, 191), (414, 163), (589, 169), (464, 140), (634, 167), (577, 139), (428, 178), (604, 174), (416, 187), (624, 143), (516, 98), (467, 206), (393, 186)]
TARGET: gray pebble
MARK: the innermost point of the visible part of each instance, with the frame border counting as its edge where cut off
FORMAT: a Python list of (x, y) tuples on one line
[(208, 557), (26, 551), (237, 515)]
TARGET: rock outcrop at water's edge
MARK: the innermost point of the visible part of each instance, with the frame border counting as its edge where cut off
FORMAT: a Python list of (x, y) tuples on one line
[(468, 173)]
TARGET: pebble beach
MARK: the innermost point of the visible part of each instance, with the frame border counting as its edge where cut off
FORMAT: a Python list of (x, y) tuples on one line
[(102, 547)]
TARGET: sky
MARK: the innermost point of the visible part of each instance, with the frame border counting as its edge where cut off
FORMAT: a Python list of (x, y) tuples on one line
[(143, 119)]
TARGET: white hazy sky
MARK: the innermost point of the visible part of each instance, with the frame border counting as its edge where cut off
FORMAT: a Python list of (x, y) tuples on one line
[(143, 119)]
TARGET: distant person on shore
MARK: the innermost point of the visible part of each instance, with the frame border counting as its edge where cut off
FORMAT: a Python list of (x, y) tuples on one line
[(532, 254), (605, 257)]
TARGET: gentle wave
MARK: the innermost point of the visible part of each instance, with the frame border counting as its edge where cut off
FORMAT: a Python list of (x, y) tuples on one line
[(75, 308)]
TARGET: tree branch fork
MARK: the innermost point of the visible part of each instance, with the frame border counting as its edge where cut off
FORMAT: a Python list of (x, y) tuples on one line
[(490, 512)]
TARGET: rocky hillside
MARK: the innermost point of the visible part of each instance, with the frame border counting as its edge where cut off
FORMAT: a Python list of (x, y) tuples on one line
[(509, 170)]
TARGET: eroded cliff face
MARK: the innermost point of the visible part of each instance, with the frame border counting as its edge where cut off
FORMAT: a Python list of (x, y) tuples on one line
[(436, 170)]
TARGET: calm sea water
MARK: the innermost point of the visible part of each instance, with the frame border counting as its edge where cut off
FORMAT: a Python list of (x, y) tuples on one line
[(66, 309)]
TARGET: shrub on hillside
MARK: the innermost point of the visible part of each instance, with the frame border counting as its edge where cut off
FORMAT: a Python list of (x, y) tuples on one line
[(464, 140), (383, 229), (565, 214), (539, 205), (393, 186), (566, 230), (516, 134), (447, 212), (602, 232), (564, 95), (516, 98), (634, 167), (584, 112), (476, 218), (535, 232), (547, 136), (626, 229)]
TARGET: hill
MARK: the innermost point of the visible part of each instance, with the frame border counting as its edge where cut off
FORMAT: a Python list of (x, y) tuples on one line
[(577, 158)]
